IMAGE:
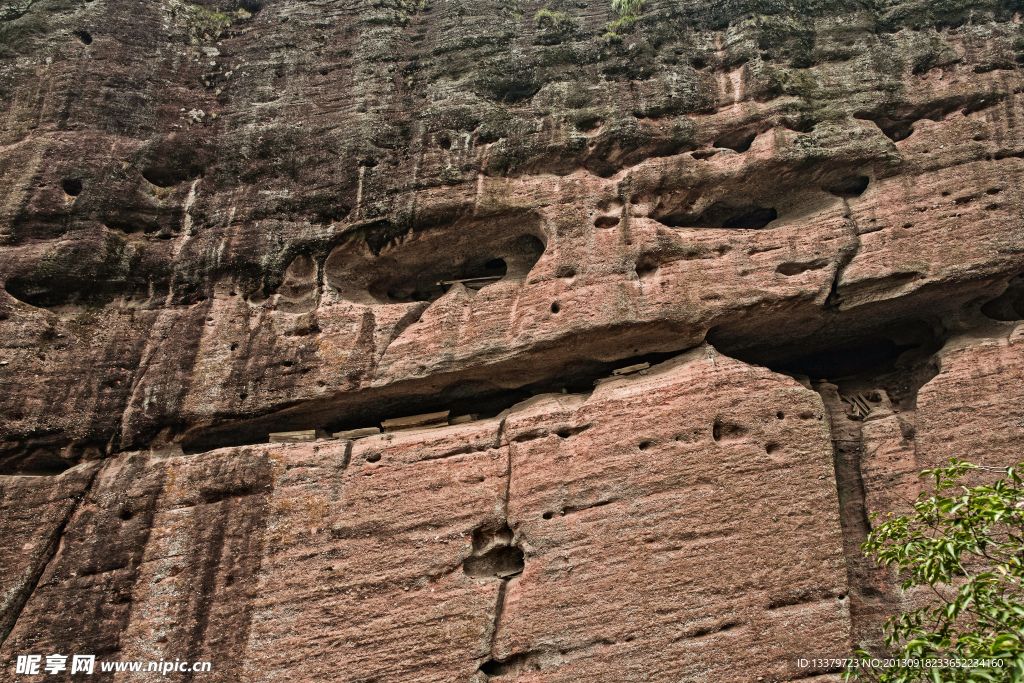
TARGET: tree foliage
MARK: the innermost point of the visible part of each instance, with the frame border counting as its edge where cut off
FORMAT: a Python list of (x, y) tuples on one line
[(964, 544)]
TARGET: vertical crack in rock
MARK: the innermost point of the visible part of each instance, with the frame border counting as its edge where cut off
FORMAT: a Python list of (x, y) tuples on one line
[(846, 256), (871, 418), (10, 619), (847, 444), (494, 556)]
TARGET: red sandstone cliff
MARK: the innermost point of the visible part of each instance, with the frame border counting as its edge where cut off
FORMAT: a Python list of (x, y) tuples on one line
[(224, 220)]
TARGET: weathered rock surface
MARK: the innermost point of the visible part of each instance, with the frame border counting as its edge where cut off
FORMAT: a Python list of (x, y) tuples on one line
[(540, 543), (225, 219)]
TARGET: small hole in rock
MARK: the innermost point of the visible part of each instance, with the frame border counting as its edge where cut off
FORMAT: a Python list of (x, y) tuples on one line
[(644, 445), (851, 186), (548, 515), (72, 186), (125, 514), (556, 307), (780, 415), (500, 562), (737, 142), (646, 266), (287, 363), (770, 448), (373, 456), (727, 431), (606, 221), (243, 396), (84, 36), (234, 345)]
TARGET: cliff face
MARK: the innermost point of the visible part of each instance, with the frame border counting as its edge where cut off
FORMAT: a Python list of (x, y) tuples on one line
[(224, 220)]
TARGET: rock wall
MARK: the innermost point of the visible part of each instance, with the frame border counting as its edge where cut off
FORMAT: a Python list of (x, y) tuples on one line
[(223, 220)]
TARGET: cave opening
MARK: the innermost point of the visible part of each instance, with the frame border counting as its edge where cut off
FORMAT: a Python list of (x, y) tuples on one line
[(1008, 306), (424, 265), (38, 463), (724, 216), (475, 275), (872, 355), (849, 187)]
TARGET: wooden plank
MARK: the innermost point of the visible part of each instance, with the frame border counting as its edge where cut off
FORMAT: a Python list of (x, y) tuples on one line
[(416, 421), (302, 435), (485, 278), (864, 405), (462, 419), (630, 369), (353, 434)]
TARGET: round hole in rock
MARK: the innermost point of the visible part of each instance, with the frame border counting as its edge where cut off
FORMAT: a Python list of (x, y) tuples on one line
[(125, 514), (243, 396), (548, 515), (644, 445), (72, 186), (84, 36), (287, 363), (780, 415), (771, 447), (556, 307), (606, 221), (373, 456), (234, 345)]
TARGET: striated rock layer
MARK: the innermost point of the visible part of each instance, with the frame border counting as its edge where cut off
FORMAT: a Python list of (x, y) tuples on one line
[(799, 222)]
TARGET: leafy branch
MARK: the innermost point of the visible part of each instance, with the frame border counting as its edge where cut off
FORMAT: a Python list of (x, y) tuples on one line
[(966, 544)]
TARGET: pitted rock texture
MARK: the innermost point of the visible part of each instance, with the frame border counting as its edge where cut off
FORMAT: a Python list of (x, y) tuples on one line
[(218, 212), (224, 219), (540, 545)]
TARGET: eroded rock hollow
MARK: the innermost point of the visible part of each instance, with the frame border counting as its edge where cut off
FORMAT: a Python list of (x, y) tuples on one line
[(462, 340)]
